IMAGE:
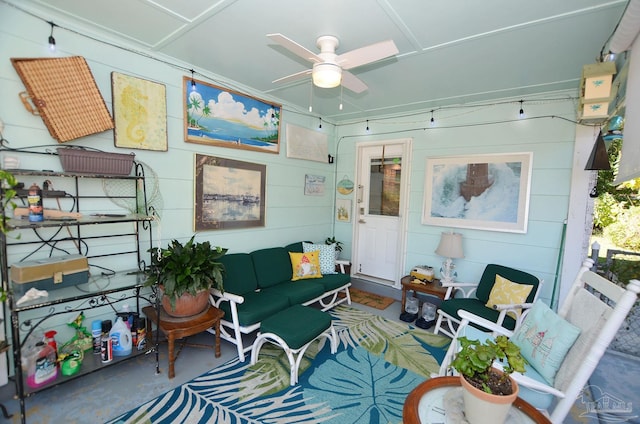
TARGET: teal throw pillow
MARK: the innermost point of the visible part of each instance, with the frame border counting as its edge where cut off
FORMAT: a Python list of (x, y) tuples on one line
[(327, 256), (544, 338)]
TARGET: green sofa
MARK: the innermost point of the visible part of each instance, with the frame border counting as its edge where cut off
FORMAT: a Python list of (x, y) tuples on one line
[(258, 285)]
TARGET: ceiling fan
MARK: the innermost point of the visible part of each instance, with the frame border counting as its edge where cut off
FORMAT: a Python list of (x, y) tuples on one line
[(330, 69)]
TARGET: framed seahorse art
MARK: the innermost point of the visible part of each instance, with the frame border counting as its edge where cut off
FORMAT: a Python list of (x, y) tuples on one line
[(139, 113)]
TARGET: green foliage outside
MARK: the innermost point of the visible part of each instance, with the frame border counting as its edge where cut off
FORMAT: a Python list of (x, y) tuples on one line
[(625, 231), (616, 218)]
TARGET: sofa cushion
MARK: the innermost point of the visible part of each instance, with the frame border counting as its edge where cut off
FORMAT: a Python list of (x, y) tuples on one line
[(327, 256), (333, 281), (256, 307), (272, 266), (239, 277), (305, 265), (297, 292), (295, 247)]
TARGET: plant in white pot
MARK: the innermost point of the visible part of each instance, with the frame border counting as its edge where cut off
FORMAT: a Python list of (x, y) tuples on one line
[(488, 392), (184, 274), (338, 244)]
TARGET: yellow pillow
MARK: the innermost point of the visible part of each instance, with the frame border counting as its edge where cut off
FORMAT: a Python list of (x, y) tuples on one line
[(505, 292), (305, 265)]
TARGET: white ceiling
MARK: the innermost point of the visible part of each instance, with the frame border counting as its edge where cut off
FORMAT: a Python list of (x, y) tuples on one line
[(451, 51)]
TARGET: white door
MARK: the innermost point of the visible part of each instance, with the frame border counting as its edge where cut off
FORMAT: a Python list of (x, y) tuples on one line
[(380, 210)]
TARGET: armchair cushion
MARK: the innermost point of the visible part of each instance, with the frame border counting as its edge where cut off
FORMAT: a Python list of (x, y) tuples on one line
[(488, 279), (544, 338), (507, 292), (476, 307)]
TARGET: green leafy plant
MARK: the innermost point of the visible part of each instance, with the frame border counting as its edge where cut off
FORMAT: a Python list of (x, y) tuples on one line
[(187, 268), (7, 182), (625, 232), (475, 361), (332, 240)]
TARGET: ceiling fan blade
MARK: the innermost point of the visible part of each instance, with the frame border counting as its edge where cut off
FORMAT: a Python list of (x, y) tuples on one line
[(352, 82), (293, 77), (367, 54), (295, 48)]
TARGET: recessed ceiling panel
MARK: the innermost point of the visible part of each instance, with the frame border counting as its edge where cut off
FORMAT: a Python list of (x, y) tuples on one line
[(131, 19)]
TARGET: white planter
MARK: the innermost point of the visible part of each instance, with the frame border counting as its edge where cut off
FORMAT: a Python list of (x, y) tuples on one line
[(484, 408)]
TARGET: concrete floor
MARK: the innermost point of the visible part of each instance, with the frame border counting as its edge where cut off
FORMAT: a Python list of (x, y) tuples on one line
[(103, 395)]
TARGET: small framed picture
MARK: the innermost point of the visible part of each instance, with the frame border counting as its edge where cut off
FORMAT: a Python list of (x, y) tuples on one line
[(343, 210)]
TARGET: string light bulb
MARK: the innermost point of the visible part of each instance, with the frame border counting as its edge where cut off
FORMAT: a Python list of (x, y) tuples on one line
[(367, 129), (52, 41), (432, 122), (320, 125), (521, 112), (193, 82)]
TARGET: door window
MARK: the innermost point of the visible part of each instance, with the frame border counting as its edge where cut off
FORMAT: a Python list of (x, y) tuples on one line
[(384, 192)]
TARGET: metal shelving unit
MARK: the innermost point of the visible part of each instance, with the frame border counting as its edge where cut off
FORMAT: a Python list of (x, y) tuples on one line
[(103, 290)]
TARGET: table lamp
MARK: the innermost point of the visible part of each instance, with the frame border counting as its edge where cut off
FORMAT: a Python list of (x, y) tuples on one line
[(450, 247)]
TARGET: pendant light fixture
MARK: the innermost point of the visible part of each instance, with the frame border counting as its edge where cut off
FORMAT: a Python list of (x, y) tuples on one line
[(52, 41), (521, 112), (193, 82)]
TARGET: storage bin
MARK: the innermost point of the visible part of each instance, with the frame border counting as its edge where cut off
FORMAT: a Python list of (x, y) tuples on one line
[(95, 162), (50, 273)]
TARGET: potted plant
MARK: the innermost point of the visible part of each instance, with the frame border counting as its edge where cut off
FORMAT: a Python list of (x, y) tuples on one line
[(184, 274), (488, 392), (7, 182), (332, 240)]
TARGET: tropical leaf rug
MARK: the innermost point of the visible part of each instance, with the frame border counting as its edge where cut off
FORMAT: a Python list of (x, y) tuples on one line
[(377, 364)]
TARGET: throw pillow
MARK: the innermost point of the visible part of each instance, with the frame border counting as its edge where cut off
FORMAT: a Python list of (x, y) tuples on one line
[(544, 338), (327, 256), (505, 292), (305, 265)]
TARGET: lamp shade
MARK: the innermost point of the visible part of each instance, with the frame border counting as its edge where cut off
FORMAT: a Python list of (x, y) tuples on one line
[(326, 75), (450, 245)]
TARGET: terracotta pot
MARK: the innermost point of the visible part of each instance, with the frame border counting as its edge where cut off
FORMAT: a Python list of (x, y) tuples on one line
[(484, 408), (187, 305)]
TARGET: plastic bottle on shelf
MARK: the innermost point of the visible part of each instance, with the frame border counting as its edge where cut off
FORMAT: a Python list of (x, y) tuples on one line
[(42, 368), (106, 348), (120, 338), (50, 339), (141, 329), (96, 334)]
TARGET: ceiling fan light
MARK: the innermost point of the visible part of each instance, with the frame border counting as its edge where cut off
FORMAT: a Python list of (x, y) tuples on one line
[(326, 75)]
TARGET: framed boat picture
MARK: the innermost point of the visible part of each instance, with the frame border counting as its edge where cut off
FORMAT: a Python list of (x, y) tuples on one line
[(228, 193)]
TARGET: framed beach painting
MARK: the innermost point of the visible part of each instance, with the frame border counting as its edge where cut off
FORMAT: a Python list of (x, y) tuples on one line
[(139, 113), (228, 194), (484, 192), (217, 116)]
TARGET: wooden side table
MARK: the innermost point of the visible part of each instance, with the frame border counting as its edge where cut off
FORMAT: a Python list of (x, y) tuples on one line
[(426, 401), (434, 288), (178, 328)]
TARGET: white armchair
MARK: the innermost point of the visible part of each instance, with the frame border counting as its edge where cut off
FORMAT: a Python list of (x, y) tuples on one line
[(598, 308), (473, 298)]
